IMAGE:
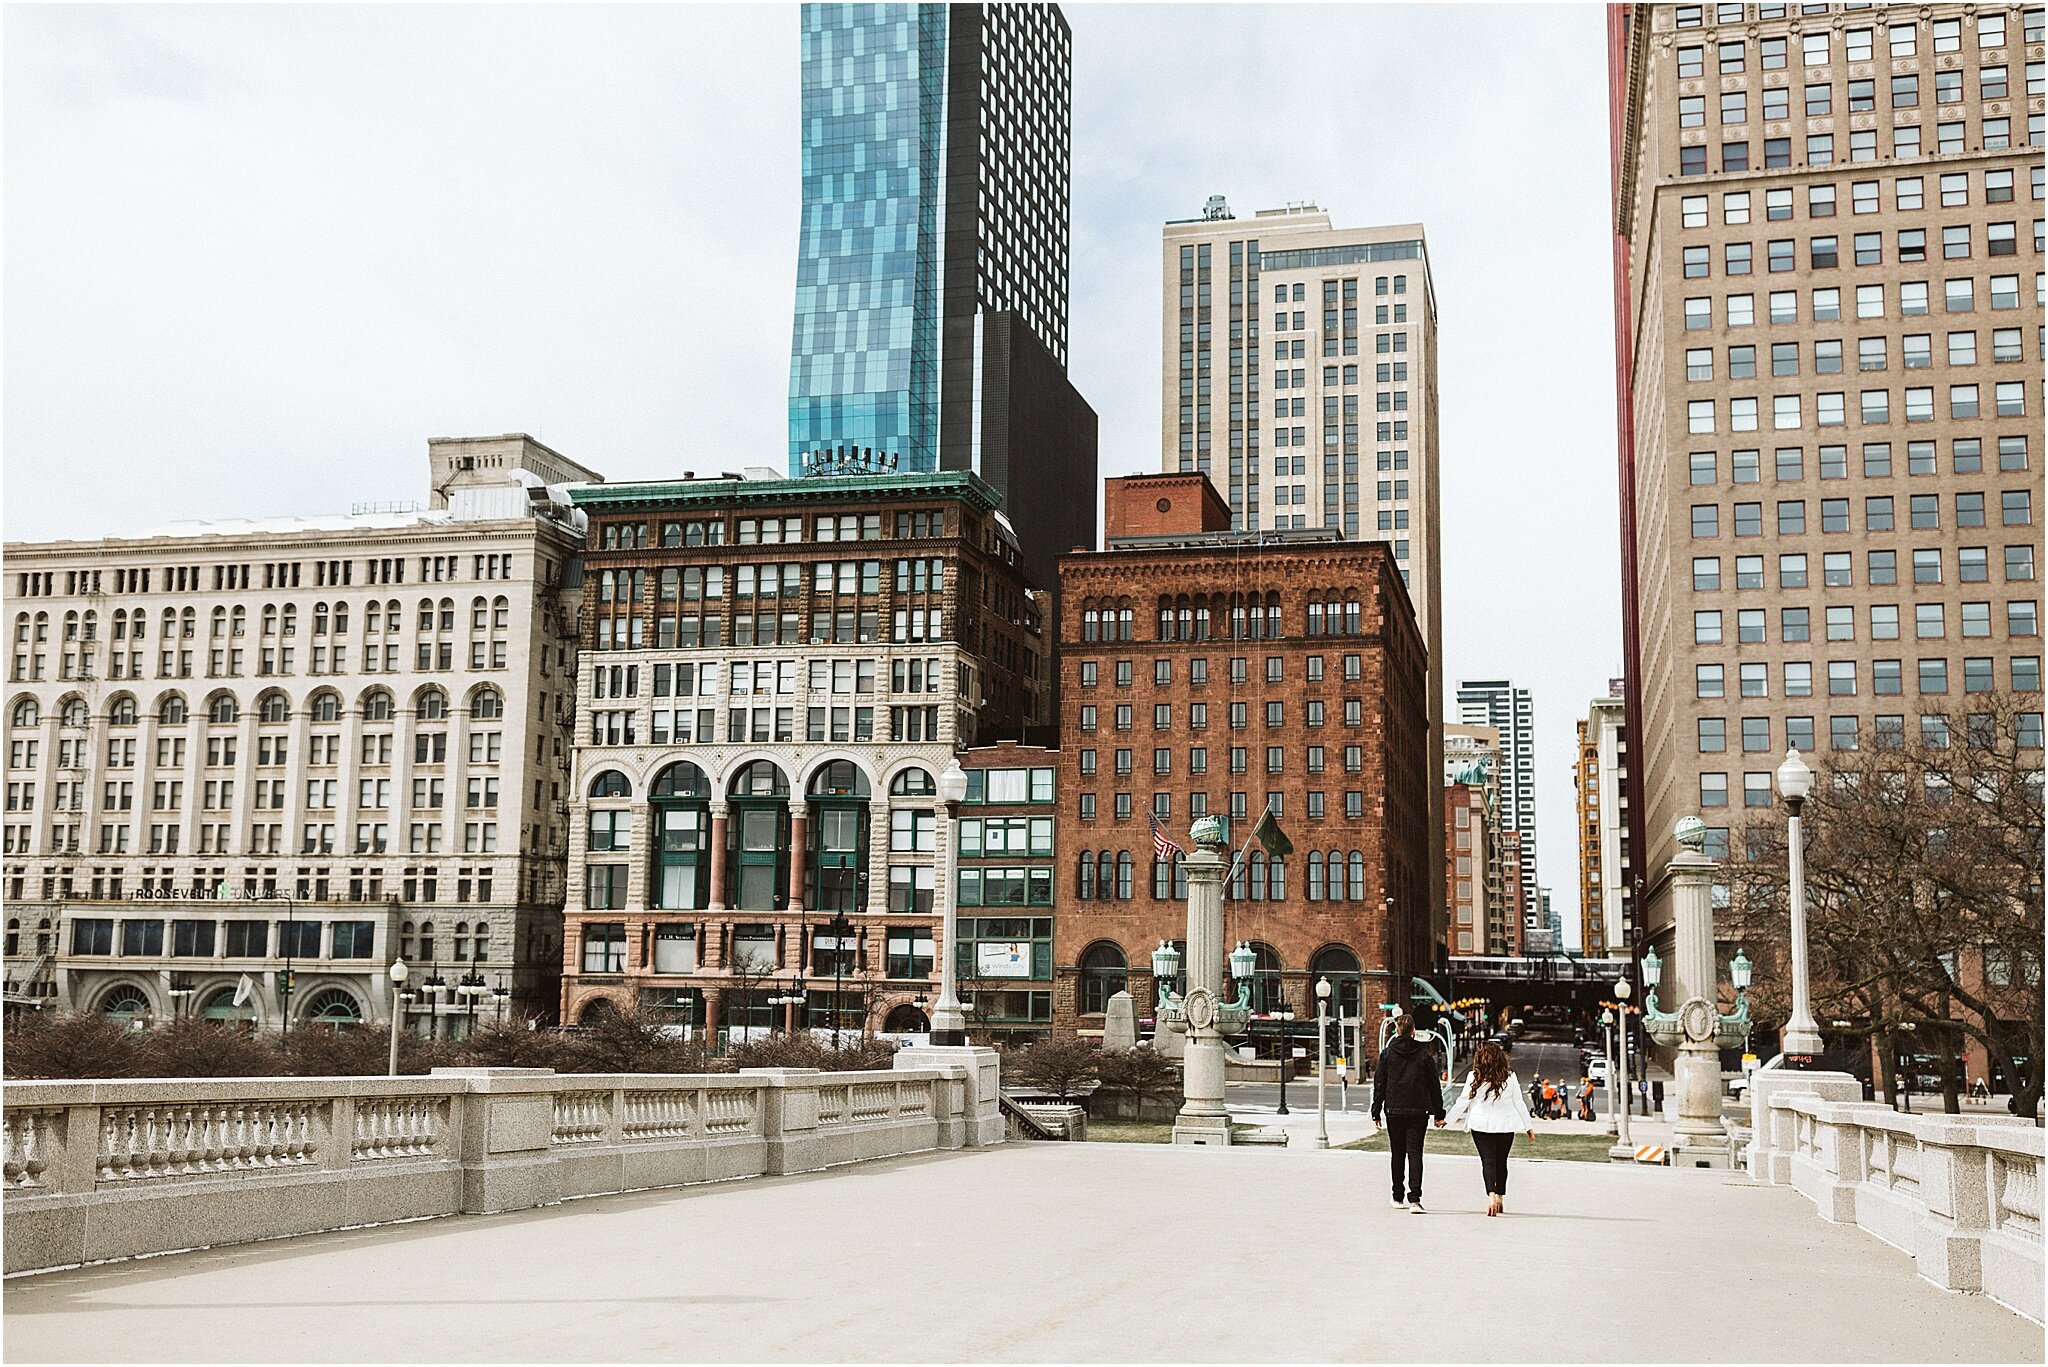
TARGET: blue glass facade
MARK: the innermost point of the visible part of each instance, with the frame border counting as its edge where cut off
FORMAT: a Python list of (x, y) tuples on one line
[(864, 355)]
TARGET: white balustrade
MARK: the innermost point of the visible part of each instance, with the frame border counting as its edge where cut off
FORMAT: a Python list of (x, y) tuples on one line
[(246, 1158)]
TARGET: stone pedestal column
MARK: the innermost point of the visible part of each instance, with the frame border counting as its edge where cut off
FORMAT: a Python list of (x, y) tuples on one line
[(718, 828), (1697, 1069), (1202, 1118)]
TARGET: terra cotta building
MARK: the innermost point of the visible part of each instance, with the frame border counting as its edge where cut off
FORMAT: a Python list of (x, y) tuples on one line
[(1211, 672)]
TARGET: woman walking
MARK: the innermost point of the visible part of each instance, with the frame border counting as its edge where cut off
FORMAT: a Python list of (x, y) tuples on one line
[(1493, 1108)]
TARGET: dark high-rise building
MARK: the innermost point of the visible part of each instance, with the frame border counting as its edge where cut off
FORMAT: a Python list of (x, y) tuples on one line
[(931, 302)]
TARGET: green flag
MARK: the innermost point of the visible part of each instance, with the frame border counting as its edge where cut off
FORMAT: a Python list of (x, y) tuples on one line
[(1269, 834)]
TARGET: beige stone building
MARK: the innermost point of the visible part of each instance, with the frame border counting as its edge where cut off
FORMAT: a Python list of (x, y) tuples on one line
[(1474, 775), (1829, 236), (1299, 373), (1598, 774), (249, 763)]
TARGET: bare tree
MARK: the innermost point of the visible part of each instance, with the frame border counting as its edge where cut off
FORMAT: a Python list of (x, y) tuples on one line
[(1924, 888)]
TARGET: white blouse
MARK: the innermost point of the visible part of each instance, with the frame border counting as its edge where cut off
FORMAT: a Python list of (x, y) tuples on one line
[(1503, 1114)]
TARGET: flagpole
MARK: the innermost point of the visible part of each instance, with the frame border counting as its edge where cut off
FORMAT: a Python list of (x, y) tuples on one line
[(1264, 812)]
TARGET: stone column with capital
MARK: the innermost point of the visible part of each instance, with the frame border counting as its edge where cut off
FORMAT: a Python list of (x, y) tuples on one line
[(1699, 1134), (718, 825), (1202, 1118), (799, 833)]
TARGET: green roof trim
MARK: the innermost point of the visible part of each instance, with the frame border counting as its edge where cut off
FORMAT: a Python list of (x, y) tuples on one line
[(964, 485)]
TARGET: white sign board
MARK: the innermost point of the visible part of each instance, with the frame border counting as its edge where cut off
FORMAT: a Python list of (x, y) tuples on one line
[(1002, 960)]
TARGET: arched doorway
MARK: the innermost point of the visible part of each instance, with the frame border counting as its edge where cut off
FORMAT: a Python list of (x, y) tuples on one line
[(757, 875), (596, 1011), (1267, 989), (220, 1009), (906, 1019), (1104, 973), (680, 804), (836, 880)]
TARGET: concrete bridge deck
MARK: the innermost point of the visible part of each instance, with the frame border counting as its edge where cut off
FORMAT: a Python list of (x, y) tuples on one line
[(1055, 1252)]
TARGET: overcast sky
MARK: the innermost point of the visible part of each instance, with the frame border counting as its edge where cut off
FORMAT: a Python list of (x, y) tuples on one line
[(256, 256)]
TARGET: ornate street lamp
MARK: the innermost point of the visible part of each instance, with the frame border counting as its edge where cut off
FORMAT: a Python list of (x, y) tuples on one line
[(1802, 1042), (1624, 1150), (397, 973), (949, 1023), (1322, 1062), (1664, 1026), (1165, 968)]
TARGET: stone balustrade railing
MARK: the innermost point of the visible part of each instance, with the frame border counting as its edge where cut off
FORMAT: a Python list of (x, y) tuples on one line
[(1961, 1194), (102, 1170)]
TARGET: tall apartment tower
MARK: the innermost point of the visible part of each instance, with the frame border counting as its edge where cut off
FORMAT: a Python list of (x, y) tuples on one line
[(1273, 322), (1827, 270), (931, 299), (1506, 708)]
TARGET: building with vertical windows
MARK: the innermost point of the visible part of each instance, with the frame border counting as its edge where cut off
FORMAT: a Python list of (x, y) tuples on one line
[(1207, 672), (1827, 248), (1008, 890), (931, 302), (1478, 917), (1510, 711), (251, 763), (1598, 776), (776, 672)]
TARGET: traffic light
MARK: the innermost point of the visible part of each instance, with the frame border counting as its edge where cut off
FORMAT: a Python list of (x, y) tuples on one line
[(284, 982)]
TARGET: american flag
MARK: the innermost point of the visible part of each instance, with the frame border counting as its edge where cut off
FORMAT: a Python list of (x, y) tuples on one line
[(1161, 846)]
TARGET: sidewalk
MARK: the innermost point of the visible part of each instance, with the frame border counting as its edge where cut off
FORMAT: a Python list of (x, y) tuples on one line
[(1051, 1253)]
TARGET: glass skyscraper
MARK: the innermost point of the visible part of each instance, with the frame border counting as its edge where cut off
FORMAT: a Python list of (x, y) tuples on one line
[(931, 300)]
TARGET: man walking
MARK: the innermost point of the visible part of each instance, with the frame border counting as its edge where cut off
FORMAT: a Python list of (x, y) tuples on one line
[(1407, 1089)]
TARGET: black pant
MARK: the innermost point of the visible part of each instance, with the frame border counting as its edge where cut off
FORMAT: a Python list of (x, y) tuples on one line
[(1404, 1144), (1493, 1159)]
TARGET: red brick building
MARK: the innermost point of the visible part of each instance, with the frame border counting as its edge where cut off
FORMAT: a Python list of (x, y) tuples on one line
[(1205, 672)]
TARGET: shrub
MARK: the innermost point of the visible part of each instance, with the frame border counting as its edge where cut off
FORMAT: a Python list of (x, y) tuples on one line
[(69, 1044), (630, 1042), (1059, 1066), (1143, 1069), (805, 1051), (192, 1047)]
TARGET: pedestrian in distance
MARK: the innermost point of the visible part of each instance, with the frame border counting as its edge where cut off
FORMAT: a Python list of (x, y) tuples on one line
[(1536, 1093), (1492, 1108), (1586, 1099), (1550, 1101), (1408, 1090)]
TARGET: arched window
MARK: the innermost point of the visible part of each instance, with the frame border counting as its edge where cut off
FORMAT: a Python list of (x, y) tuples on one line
[(1162, 879), (1315, 875), (1255, 869), (1334, 863), (172, 713), (75, 713), (1357, 876), (681, 779), (377, 705), (1267, 988), (1124, 869), (274, 708), (431, 704), (480, 947), (840, 778), (335, 1007), (488, 705), (27, 713), (124, 1003), (1340, 966), (122, 713), (1104, 973), (913, 782), (327, 707), (1085, 885), (1276, 879), (759, 779), (610, 783), (1105, 876)]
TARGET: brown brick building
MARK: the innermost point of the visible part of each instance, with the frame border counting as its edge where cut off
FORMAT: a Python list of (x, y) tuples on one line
[(773, 675), (1205, 672)]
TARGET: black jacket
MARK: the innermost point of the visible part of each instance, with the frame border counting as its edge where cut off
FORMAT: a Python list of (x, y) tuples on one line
[(1406, 1081)]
